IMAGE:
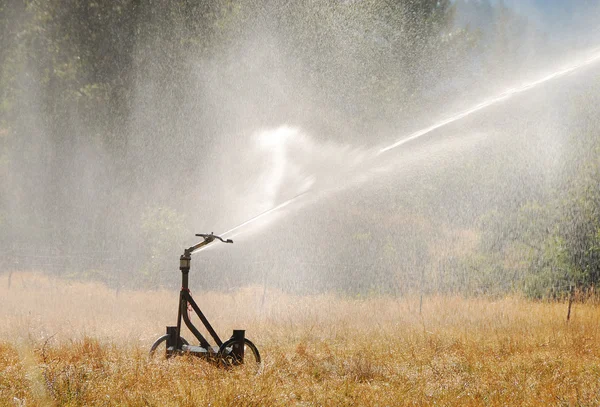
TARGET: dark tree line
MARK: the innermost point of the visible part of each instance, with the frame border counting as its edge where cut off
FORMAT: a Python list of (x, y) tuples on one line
[(114, 116), (109, 108)]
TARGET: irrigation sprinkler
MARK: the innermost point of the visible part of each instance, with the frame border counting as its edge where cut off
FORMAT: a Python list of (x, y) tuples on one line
[(237, 350)]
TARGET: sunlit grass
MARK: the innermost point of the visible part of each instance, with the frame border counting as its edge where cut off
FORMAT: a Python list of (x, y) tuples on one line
[(66, 343)]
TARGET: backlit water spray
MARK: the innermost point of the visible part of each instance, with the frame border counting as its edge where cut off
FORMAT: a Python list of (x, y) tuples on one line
[(277, 174)]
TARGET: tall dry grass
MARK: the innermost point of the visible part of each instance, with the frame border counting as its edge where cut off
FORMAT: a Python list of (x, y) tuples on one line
[(79, 344)]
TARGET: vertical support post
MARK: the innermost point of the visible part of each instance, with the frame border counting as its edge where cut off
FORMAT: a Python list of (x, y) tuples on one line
[(184, 266), (172, 339), (239, 336), (571, 298)]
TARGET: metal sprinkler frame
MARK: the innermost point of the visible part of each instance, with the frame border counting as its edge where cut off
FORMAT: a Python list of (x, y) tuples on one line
[(232, 352)]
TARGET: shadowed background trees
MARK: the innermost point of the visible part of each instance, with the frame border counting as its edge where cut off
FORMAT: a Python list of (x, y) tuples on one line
[(114, 117)]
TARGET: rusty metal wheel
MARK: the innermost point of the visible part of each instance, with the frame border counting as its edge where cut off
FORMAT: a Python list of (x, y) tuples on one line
[(251, 358), (162, 339)]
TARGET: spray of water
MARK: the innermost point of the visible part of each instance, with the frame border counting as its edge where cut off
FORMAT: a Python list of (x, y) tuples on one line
[(277, 141), (494, 100), (133, 148)]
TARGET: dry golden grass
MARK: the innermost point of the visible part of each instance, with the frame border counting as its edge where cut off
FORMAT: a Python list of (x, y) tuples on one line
[(80, 344)]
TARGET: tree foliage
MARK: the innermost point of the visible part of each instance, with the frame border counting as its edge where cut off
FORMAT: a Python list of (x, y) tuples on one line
[(113, 114)]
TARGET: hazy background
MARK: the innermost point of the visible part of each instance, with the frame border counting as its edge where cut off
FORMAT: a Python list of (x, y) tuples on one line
[(128, 126)]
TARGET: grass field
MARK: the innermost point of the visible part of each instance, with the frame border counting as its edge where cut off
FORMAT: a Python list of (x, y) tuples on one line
[(81, 344)]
